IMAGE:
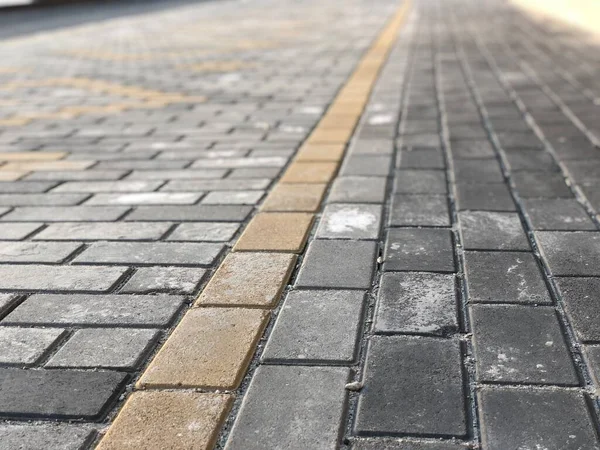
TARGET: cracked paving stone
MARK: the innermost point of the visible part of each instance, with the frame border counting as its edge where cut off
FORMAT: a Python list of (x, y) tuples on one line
[(350, 221), (486, 230), (571, 253), (419, 250)]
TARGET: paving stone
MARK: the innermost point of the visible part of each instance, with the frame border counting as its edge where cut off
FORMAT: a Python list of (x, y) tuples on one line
[(65, 214), (17, 231), (406, 444), (228, 338), (350, 221), (233, 198), (505, 277), (44, 199), (541, 184), (6, 302), (420, 182), (478, 171), (48, 252), (66, 394), (414, 249), (114, 348), (204, 231), (420, 210), (26, 187), (108, 186), (305, 411), (592, 354), (145, 253), (309, 172), (196, 213), (316, 326), (484, 197), (183, 174), (232, 163), (358, 190), (531, 160), (113, 231), (320, 153), (54, 436), (580, 297), (555, 419), (516, 344), (98, 310), (416, 303), (484, 230), (557, 214), (276, 232), (193, 419), (374, 166), (261, 173), (426, 158), (249, 279), (24, 346), (338, 264), (216, 185), (59, 278), (424, 397), (91, 175), (295, 197), (472, 148), (30, 166), (571, 253), (177, 280), (146, 198)]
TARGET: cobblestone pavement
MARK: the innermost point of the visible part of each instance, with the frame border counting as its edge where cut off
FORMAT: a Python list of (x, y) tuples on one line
[(202, 246)]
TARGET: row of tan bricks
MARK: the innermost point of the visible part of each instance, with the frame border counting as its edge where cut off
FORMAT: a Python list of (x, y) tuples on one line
[(213, 344)]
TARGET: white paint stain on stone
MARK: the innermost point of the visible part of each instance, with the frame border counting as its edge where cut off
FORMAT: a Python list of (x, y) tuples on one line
[(350, 219)]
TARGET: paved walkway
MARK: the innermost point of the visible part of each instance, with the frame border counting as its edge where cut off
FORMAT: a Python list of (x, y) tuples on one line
[(300, 225)]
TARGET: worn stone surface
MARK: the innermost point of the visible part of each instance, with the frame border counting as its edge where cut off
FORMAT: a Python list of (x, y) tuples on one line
[(580, 297), (406, 444), (176, 280), (204, 232), (59, 278), (358, 190), (420, 182), (484, 197), (103, 231), (576, 253), (24, 346), (413, 249), (557, 214), (483, 230), (295, 197), (276, 232), (350, 221), (420, 210), (55, 436)]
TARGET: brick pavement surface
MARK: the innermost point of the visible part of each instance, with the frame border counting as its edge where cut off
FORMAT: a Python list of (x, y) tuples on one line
[(202, 246)]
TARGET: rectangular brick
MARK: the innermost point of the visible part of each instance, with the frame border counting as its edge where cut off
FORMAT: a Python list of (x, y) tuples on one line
[(320, 153), (65, 214), (487, 230), (45, 166), (195, 213), (294, 197), (419, 250), (350, 221), (420, 210), (571, 253), (356, 189), (276, 232), (31, 156), (106, 231), (309, 172)]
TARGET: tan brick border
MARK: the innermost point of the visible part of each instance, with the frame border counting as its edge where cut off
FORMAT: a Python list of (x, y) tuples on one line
[(212, 346)]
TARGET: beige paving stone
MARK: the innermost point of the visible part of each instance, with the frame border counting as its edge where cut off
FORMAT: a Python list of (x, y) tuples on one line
[(323, 152), (331, 135), (309, 172), (160, 420), (210, 349), (283, 232), (249, 279), (31, 156), (46, 166), (341, 122), (295, 197)]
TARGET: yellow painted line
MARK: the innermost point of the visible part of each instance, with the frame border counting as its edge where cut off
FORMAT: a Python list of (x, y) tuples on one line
[(214, 342)]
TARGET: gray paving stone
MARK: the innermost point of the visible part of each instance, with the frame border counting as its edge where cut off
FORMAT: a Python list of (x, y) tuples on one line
[(177, 280), (196, 213), (106, 231), (358, 190), (183, 174), (108, 186), (350, 221), (216, 185), (261, 172), (48, 435), (146, 198), (517, 344), (41, 199), (420, 210), (557, 214), (36, 252), (406, 444), (541, 184), (478, 171), (17, 231), (305, 410), (420, 182), (98, 310), (420, 158), (86, 175), (316, 326), (422, 140), (65, 214), (592, 355), (581, 299), (372, 147), (338, 264), (26, 187), (205, 231), (554, 419), (24, 346), (233, 198), (414, 249), (148, 253), (6, 302), (484, 197), (531, 160), (110, 348), (374, 166), (472, 148), (424, 397), (234, 163), (505, 277), (416, 303), (571, 253), (66, 394), (486, 230)]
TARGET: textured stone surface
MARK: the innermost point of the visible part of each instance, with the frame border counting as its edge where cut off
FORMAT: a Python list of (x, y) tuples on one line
[(557, 214), (276, 232), (24, 346), (64, 278), (581, 299), (350, 221), (294, 197), (358, 190), (103, 231), (55, 436), (176, 280), (305, 409), (420, 182), (406, 444), (413, 249), (420, 210), (576, 253), (204, 231), (483, 230), (309, 172)]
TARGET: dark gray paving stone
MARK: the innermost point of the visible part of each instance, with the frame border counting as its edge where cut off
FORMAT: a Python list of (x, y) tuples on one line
[(176, 280), (65, 394), (144, 253), (416, 303), (406, 444), (305, 409), (412, 386), (592, 355), (195, 213), (420, 210), (422, 140), (472, 148), (571, 253), (316, 326), (531, 160), (486, 230), (338, 264), (373, 166), (478, 171), (110, 348), (59, 278), (541, 184), (557, 214), (505, 277), (517, 344), (581, 297), (350, 221), (484, 197), (98, 310), (535, 419), (414, 158), (420, 182), (48, 435), (414, 249), (358, 190), (66, 214)]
